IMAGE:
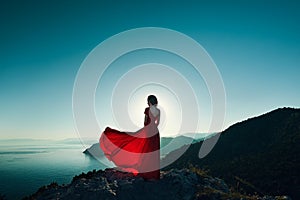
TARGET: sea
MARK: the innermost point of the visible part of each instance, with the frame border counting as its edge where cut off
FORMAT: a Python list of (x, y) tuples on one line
[(26, 165)]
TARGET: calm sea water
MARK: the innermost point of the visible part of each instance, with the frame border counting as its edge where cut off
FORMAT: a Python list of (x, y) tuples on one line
[(26, 167)]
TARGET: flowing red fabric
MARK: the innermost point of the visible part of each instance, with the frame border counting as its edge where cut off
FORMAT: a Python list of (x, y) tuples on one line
[(136, 152)]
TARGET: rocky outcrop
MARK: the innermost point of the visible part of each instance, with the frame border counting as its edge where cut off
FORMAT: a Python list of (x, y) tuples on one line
[(94, 151), (111, 184)]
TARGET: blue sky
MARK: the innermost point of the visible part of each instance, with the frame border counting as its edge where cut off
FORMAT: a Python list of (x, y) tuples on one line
[(255, 44)]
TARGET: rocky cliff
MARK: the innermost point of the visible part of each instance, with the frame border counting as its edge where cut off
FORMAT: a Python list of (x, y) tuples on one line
[(110, 184)]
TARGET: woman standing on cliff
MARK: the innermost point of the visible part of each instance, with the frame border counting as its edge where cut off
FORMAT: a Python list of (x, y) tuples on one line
[(136, 152)]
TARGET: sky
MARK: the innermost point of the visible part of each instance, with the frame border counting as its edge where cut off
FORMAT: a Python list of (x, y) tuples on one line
[(254, 44)]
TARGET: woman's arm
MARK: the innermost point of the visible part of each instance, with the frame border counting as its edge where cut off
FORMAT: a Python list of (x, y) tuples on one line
[(146, 116), (158, 119), (145, 120)]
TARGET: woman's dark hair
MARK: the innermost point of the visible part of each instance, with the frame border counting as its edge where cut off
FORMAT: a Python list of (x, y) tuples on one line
[(152, 99)]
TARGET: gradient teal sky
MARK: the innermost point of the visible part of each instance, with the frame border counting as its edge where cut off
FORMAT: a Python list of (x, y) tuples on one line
[(255, 44)]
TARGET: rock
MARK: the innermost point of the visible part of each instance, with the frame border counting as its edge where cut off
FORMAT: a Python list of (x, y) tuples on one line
[(111, 184)]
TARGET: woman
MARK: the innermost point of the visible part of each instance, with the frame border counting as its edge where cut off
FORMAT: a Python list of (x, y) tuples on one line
[(136, 152)]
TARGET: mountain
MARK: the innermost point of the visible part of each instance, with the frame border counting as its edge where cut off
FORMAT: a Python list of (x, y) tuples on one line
[(261, 154), (183, 184), (94, 151), (169, 144)]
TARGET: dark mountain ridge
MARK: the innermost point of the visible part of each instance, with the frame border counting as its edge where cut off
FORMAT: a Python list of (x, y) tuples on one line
[(261, 154)]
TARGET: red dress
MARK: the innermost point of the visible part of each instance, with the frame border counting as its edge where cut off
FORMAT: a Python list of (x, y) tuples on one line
[(136, 152)]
